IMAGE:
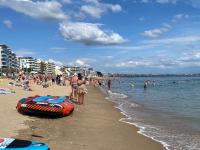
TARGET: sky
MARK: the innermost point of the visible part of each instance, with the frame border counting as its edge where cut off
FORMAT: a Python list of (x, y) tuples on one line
[(116, 36)]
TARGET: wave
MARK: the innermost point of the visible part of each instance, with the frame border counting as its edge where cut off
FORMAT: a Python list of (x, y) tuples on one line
[(141, 128), (123, 106), (169, 140), (142, 132), (173, 132), (113, 95)]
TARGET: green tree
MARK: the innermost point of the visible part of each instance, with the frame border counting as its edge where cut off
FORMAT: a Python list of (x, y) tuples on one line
[(42, 67)]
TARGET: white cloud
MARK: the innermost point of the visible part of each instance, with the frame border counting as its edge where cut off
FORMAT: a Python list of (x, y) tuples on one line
[(155, 32), (80, 62), (83, 62), (178, 17), (95, 9), (92, 11), (175, 43), (165, 27), (8, 24), (59, 63), (89, 34), (115, 8), (24, 52), (162, 62), (188, 59), (81, 32), (36, 9), (176, 40), (134, 63)]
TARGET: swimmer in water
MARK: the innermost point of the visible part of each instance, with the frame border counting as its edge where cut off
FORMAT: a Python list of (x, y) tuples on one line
[(145, 84), (132, 84)]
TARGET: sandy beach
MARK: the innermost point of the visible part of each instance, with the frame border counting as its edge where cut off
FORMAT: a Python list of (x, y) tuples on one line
[(94, 125), (11, 120)]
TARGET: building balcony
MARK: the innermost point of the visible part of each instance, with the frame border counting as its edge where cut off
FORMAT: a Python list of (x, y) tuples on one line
[(4, 61)]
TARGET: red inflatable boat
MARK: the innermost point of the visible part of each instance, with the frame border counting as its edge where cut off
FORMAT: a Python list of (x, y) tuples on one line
[(45, 105)]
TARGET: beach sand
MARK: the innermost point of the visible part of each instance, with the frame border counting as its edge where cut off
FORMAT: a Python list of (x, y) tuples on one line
[(11, 120), (92, 126)]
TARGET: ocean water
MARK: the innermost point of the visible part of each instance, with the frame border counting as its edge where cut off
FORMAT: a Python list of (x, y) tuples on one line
[(168, 110)]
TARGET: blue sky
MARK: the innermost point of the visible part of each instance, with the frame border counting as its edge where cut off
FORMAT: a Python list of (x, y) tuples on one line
[(127, 36)]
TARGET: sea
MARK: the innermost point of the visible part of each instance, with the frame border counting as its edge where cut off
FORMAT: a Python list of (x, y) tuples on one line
[(168, 110)]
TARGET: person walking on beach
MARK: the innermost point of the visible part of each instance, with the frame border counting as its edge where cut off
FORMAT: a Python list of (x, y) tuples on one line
[(82, 90), (109, 84), (74, 86)]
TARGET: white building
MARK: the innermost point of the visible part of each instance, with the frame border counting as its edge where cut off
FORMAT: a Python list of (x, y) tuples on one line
[(79, 69), (27, 63), (50, 67), (33, 65), (8, 60), (37, 67)]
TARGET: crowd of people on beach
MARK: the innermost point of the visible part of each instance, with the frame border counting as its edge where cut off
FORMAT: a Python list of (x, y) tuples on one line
[(100, 81), (45, 80), (77, 81)]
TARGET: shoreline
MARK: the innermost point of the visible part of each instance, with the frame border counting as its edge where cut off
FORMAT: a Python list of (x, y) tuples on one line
[(125, 117), (140, 130), (94, 125)]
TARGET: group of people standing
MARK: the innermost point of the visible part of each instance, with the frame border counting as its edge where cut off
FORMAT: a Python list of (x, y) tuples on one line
[(148, 82), (47, 80), (78, 85), (105, 82), (77, 82)]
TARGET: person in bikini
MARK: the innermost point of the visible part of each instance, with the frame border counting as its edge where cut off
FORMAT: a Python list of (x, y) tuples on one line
[(82, 90), (74, 86)]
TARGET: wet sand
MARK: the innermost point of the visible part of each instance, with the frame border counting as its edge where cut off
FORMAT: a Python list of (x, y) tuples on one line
[(93, 126)]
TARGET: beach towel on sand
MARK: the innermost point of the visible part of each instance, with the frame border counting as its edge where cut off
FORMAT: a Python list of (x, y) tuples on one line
[(6, 91)]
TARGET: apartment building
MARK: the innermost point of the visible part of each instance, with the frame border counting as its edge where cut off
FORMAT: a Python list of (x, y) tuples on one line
[(50, 67), (27, 63), (8, 60)]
